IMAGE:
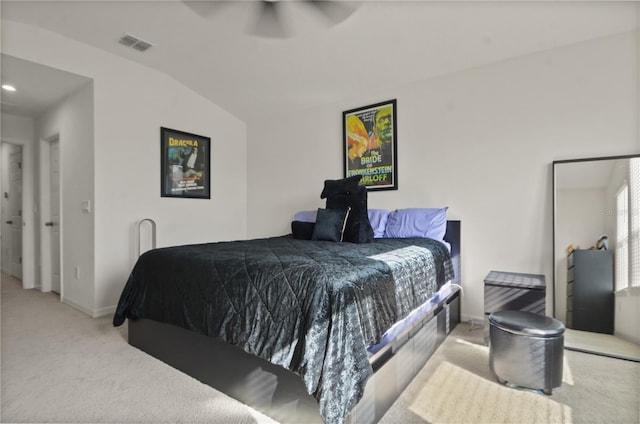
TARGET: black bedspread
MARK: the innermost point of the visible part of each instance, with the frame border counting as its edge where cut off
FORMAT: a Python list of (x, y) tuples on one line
[(309, 306)]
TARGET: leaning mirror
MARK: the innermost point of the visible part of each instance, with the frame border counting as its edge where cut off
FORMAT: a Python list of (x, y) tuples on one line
[(596, 254)]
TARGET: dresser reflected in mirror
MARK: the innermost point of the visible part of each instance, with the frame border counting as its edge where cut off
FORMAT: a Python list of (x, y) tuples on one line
[(596, 254)]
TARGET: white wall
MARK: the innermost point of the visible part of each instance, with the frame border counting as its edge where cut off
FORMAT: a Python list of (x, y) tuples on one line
[(131, 104), (71, 121), (480, 141), (20, 130)]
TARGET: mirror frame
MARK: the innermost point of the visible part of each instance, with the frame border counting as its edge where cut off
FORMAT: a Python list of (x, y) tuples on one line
[(553, 203)]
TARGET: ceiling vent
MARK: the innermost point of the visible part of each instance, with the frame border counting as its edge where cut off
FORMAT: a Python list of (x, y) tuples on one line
[(134, 42)]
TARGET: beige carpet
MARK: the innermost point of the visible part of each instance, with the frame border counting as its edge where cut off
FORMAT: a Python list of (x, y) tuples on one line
[(59, 365), (456, 386), (451, 387)]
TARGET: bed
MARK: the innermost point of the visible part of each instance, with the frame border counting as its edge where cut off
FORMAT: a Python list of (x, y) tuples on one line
[(298, 329)]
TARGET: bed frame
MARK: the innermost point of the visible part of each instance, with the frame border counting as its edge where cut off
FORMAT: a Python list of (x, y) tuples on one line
[(280, 393)]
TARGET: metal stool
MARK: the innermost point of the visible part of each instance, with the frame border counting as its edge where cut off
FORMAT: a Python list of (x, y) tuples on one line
[(526, 349)]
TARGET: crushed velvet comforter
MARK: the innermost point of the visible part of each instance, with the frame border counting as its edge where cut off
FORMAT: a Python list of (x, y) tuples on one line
[(309, 306)]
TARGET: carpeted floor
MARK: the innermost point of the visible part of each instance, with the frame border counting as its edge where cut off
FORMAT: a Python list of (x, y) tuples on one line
[(59, 365), (457, 386)]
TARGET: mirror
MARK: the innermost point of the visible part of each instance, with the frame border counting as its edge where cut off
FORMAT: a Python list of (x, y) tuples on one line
[(596, 254)]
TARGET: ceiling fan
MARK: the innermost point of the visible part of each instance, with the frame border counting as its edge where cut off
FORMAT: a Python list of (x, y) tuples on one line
[(271, 17)]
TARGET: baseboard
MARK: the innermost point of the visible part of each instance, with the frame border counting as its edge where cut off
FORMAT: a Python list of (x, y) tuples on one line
[(475, 321), (104, 311), (93, 313), (77, 306), (626, 337)]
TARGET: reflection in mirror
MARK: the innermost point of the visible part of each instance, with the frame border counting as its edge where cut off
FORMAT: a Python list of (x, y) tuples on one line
[(597, 254)]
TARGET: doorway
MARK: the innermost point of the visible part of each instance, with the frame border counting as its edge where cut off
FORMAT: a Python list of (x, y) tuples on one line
[(44, 105), (11, 209)]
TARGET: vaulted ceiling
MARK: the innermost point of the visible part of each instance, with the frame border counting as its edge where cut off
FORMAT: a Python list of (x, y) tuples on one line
[(217, 52)]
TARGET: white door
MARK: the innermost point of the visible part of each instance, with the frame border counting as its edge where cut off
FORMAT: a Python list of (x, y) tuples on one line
[(11, 210), (5, 216), (15, 209), (54, 221)]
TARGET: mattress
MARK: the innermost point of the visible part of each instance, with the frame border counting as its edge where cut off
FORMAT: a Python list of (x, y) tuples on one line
[(310, 306), (414, 316)]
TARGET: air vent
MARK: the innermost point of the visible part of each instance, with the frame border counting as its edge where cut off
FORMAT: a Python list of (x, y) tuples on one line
[(141, 45), (135, 43)]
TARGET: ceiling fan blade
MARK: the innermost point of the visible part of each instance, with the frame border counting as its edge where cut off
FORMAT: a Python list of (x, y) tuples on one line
[(334, 11), (269, 21), (205, 8)]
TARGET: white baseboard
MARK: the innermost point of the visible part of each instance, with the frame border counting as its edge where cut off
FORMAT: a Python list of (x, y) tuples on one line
[(93, 313), (475, 321), (104, 311), (77, 306), (626, 337)]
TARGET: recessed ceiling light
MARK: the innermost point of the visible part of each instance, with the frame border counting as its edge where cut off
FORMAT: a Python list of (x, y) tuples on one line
[(8, 87)]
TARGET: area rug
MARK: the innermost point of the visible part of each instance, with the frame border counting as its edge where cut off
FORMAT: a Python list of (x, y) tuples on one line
[(455, 395)]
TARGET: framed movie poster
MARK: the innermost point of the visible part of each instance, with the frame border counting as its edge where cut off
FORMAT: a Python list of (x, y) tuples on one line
[(186, 164), (370, 145)]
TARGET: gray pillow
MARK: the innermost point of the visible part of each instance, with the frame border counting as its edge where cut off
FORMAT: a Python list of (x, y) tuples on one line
[(330, 224)]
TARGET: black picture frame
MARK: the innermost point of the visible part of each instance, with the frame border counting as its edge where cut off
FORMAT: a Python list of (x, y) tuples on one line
[(370, 145), (182, 175)]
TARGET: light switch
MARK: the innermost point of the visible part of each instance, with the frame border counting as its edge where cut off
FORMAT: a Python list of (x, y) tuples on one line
[(86, 206)]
